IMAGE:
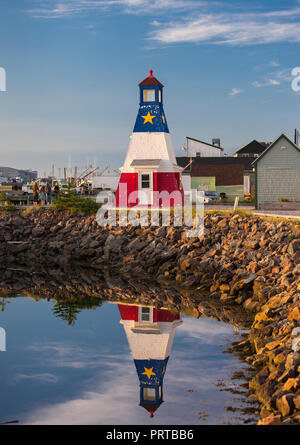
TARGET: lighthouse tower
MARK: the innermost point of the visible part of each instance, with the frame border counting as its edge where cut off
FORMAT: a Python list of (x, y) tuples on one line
[(150, 175), (150, 333)]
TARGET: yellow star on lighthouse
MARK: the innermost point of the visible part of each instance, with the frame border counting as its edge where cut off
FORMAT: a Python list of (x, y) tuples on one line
[(148, 372), (148, 118)]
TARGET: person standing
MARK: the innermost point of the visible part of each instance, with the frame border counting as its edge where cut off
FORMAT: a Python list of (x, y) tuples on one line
[(56, 190), (35, 192), (42, 196), (48, 193)]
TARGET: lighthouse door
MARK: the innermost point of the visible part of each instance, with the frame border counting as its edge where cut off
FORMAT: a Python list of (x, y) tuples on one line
[(145, 189)]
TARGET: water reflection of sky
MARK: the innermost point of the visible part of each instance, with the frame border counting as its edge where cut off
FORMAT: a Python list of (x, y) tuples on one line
[(55, 374)]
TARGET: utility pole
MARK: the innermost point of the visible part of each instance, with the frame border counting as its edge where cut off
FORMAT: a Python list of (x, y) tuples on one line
[(297, 137), (52, 175)]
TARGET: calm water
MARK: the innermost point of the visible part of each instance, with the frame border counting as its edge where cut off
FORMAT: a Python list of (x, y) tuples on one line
[(85, 373)]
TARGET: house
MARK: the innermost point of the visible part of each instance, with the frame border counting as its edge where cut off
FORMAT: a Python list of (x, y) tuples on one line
[(252, 150), (150, 166), (277, 174), (247, 155), (220, 174), (150, 333), (196, 148)]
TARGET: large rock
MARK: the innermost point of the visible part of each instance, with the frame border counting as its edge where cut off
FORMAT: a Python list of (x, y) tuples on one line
[(285, 404)]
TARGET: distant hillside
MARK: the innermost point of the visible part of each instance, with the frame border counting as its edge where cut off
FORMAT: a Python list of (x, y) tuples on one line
[(12, 173)]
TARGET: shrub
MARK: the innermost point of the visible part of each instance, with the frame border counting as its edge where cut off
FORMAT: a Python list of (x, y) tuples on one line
[(69, 200), (283, 200)]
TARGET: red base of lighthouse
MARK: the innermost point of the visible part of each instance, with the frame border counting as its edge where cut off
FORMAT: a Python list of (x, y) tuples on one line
[(167, 190)]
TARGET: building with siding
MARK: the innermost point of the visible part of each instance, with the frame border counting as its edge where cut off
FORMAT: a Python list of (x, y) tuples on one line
[(252, 150), (195, 148), (220, 174), (277, 173), (248, 154)]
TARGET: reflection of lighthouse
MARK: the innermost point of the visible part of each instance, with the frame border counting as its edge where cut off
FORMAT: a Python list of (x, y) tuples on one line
[(150, 333), (150, 175)]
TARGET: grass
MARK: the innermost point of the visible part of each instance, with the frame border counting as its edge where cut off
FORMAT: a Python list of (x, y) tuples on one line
[(228, 212), (231, 201), (32, 209), (8, 208)]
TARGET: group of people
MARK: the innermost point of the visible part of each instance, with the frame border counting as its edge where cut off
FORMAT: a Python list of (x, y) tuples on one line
[(42, 195)]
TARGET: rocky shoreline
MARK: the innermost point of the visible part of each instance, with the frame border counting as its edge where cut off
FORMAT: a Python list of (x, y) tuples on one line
[(242, 262)]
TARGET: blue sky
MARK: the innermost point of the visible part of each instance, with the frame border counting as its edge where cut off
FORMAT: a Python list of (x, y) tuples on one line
[(73, 67)]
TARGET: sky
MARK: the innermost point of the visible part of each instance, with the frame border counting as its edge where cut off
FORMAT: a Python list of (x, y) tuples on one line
[(73, 66)]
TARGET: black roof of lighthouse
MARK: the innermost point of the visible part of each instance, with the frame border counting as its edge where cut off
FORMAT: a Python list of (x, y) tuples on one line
[(150, 80)]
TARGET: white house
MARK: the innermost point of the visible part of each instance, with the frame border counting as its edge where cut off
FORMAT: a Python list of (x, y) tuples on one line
[(195, 148)]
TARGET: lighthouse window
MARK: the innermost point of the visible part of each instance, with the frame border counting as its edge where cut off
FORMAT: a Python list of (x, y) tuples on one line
[(145, 314), (145, 181), (149, 95), (159, 95), (149, 393)]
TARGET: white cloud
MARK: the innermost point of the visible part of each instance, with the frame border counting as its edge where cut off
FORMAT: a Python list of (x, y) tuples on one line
[(204, 330), (273, 79), (44, 377), (235, 91), (68, 8), (233, 29), (266, 83), (199, 21), (273, 63)]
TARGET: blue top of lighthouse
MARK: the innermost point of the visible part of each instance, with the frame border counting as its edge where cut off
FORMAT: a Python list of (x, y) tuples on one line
[(151, 116), (151, 375)]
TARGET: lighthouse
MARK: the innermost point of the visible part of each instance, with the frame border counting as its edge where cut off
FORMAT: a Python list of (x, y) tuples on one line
[(150, 175), (150, 333)]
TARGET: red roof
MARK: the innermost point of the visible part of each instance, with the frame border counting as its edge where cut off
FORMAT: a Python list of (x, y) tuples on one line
[(151, 80), (151, 408)]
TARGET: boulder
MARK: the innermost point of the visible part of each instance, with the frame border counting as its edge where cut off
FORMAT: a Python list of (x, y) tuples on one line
[(285, 404)]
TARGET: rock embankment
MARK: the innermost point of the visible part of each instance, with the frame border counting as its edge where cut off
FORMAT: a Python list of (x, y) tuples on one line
[(249, 262)]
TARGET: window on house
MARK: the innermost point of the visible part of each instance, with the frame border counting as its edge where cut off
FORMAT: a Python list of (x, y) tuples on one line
[(145, 181), (149, 95), (149, 393), (198, 154)]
